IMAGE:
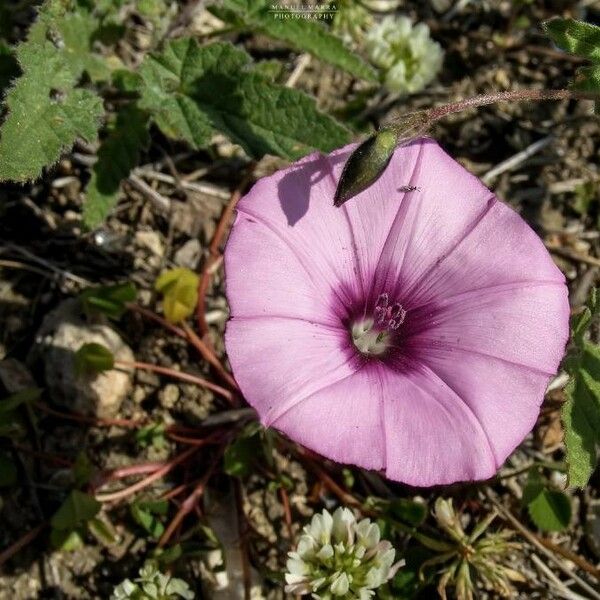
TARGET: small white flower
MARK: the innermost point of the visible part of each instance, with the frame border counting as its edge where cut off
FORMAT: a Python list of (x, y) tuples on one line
[(340, 557), (408, 56), (152, 585)]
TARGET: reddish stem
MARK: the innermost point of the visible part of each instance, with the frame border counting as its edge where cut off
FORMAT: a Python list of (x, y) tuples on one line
[(195, 441), (59, 460), (177, 375), (190, 502), (287, 512), (140, 485), (21, 543), (214, 250), (123, 472), (208, 355), (510, 96), (95, 421), (152, 316)]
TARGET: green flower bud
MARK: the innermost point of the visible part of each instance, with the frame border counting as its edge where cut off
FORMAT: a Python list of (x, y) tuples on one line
[(365, 165), (370, 159)]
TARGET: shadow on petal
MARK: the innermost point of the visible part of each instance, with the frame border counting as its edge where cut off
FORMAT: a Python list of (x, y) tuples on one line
[(295, 186)]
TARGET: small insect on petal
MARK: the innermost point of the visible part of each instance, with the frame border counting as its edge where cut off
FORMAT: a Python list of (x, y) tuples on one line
[(365, 165)]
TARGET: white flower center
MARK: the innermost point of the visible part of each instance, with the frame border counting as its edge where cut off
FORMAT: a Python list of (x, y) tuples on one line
[(372, 336)]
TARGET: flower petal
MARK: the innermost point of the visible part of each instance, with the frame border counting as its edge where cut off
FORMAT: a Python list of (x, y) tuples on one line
[(342, 421), (523, 324), (279, 362), (432, 436), (289, 218), (497, 348), (266, 278)]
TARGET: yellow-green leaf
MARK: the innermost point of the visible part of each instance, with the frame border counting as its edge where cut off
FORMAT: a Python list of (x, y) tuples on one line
[(179, 288)]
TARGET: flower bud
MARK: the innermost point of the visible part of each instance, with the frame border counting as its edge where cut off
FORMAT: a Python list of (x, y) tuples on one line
[(365, 165), (370, 159)]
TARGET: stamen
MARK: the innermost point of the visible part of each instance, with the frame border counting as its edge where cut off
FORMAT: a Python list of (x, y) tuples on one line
[(389, 317), (373, 336)]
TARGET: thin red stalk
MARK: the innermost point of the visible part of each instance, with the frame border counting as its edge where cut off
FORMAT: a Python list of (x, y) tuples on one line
[(211, 358), (149, 314), (510, 96), (343, 495), (214, 250), (21, 543), (95, 421), (177, 375), (123, 472), (189, 503), (174, 492), (287, 512), (194, 441), (63, 462), (140, 485)]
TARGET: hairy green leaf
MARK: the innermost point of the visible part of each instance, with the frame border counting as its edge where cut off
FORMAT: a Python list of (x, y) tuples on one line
[(46, 112), (117, 156), (581, 411), (191, 90), (302, 34), (575, 36)]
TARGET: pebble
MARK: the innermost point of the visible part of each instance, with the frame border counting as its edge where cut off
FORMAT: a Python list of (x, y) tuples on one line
[(150, 240), (189, 254)]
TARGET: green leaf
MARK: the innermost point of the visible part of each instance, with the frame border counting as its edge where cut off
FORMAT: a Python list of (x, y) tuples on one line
[(302, 34), (146, 514), (549, 509), (179, 288), (66, 540), (10, 404), (93, 358), (191, 90), (581, 322), (76, 510), (8, 471), (587, 79), (152, 435), (110, 300), (576, 37), (117, 156), (46, 113), (241, 454), (82, 469), (581, 410), (408, 511), (581, 419), (104, 532)]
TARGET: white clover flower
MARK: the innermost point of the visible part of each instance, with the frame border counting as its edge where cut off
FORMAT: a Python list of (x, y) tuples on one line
[(408, 56), (338, 556), (152, 585)]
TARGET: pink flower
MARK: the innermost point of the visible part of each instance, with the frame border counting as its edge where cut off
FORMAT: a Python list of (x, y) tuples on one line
[(408, 331)]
